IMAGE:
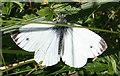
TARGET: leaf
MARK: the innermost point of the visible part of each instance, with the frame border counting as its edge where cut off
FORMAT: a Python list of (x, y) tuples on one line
[(38, 72), (113, 62), (72, 10), (29, 16), (102, 59), (64, 69), (118, 25), (16, 52), (20, 4), (43, 12), (60, 9), (58, 5), (96, 67), (49, 17), (9, 7), (67, 9), (27, 67), (6, 8), (81, 73), (16, 19)]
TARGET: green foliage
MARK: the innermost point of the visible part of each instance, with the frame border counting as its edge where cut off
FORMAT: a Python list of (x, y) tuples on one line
[(105, 16), (6, 8), (96, 67)]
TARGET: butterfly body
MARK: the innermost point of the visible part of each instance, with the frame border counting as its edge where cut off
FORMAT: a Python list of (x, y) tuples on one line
[(60, 32)]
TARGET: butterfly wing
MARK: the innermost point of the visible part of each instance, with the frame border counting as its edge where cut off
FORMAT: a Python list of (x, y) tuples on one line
[(48, 53), (30, 36), (41, 39), (80, 44)]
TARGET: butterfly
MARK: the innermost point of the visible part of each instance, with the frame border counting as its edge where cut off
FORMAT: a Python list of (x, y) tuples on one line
[(51, 43)]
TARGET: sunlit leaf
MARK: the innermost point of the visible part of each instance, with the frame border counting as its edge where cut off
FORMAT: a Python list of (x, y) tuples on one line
[(44, 12)]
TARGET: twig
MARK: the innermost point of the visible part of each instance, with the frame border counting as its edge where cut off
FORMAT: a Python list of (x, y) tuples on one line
[(11, 65)]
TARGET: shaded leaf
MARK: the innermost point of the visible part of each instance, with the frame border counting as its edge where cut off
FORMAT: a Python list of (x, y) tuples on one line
[(20, 4), (96, 67), (6, 8)]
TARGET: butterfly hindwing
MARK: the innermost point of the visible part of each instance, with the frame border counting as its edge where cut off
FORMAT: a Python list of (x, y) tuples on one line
[(72, 55), (48, 52)]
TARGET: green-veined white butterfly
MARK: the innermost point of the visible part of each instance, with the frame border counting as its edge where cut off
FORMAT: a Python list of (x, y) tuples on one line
[(50, 43)]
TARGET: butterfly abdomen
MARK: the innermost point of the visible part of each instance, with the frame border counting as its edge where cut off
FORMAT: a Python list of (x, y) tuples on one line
[(60, 43)]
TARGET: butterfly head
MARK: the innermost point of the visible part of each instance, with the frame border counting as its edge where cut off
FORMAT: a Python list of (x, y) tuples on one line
[(62, 20)]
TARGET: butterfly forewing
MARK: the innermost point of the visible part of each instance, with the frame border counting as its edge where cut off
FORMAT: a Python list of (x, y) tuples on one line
[(31, 36), (72, 55)]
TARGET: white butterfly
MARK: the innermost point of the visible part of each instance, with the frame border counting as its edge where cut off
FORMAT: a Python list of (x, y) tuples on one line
[(51, 42)]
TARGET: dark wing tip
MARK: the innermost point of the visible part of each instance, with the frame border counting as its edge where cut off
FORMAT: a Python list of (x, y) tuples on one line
[(14, 35), (103, 44)]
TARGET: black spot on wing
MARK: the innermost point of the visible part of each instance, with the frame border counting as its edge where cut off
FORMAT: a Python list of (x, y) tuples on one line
[(27, 38), (91, 46), (98, 53)]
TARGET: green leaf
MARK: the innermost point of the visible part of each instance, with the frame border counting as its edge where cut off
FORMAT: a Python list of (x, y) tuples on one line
[(44, 12), (60, 9), (16, 52), (27, 67), (20, 4), (96, 67), (13, 74), (81, 73), (71, 9), (38, 72), (16, 19), (49, 17), (59, 5), (118, 25), (67, 9), (113, 62), (9, 7), (6, 9), (29, 16), (64, 69)]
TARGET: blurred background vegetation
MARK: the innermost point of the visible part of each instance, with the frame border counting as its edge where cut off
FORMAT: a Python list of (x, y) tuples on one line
[(104, 15)]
